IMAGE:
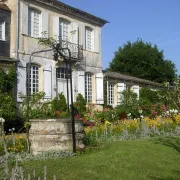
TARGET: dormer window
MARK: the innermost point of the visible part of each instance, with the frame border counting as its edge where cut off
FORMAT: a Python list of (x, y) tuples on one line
[(34, 23), (64, 29), (2, 30)]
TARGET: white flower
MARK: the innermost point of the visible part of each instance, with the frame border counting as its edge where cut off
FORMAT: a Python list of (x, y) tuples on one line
[(140, 111), (129, 114), (141, 116), (13, 129), (167, 112), (176, 111), (2, 120), (9, 130)]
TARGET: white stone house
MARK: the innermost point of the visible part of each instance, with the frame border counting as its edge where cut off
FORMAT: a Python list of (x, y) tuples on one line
[(32, 17)]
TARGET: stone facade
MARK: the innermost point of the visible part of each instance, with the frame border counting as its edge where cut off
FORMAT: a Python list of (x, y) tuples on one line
[(50, 14)]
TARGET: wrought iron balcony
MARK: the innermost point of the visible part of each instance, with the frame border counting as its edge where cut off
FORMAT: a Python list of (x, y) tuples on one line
[(76, 50)]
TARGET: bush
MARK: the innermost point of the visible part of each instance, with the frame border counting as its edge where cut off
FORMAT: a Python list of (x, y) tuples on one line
[(8, 109), (59, 103), (148, 97), (80, 104)]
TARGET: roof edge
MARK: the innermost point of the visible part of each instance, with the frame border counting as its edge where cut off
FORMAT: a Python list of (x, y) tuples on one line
[(132, 78), (74, 11)]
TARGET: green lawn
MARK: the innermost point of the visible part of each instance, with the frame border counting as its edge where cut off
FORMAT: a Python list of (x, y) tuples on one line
[(155, 159)]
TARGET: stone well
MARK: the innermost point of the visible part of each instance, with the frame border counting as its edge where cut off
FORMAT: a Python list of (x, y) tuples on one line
[(54, 134)]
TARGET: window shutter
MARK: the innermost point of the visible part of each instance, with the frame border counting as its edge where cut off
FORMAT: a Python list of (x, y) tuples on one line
[(56, 27), (96, 40), (21, 81), (74, 33), (81, 82), (24, 23), (31, 14), (120, 88), (83, 36), (48, 81), (136, 90), (92, 40), (45, 23), (99, 89), (3, 31)]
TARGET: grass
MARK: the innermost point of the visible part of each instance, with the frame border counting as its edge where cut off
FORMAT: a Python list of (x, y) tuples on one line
[(147, 159)]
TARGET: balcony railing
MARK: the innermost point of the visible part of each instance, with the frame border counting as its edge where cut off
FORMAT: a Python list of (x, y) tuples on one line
[(76, 50)]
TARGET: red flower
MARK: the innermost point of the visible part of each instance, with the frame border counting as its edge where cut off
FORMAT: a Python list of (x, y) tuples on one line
[(58, 112), (77, 104), (84, 120), (77, 116), (91, 124)]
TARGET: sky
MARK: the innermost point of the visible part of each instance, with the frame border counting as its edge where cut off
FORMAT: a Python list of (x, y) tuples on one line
[(154, 21)]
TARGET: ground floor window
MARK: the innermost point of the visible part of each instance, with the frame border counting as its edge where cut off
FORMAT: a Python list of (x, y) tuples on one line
[(34, 79), (111, 94), (88, 87), (61, 73)]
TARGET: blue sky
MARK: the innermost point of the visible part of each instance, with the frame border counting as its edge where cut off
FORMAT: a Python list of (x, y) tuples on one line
[(155, 21)]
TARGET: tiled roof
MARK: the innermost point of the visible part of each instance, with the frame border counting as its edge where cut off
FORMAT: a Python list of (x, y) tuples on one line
[(130, 78), (74, 11)]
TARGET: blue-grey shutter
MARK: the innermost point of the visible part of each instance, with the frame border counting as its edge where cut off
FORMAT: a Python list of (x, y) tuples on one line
[(21, 81), (48, 81), (81, 82), (56, 27), (45, 23), (24, 22), (96, 41), (99, 89), (120, 88)]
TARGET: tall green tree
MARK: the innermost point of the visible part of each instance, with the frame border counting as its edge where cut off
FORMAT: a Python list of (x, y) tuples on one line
[(143, 60)]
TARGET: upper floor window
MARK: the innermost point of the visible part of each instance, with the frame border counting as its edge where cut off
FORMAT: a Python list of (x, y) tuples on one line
[(111, 94), (2, 30), (34, 79), (61, 73), (88, 38), (64, 29), (34, 23), (88, 87)]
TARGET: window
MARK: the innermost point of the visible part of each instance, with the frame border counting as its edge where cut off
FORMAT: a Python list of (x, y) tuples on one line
[(63, 29), (34, 25), (111, 94), (88, 87), (88, 39), (61, 73), (34, 79), (2, 30)]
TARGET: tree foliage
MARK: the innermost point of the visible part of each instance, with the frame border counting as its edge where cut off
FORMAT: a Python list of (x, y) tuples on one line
[(8, 108), (143, 60)]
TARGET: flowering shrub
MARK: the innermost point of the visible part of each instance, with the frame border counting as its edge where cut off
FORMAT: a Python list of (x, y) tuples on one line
[(142, 126), (17, 145)]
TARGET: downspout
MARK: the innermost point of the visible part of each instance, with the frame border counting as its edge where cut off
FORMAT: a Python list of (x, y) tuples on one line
[(17, 29), (17, 43)]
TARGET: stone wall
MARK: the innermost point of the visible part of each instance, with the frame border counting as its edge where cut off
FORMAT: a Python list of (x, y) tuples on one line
[(54, 134)]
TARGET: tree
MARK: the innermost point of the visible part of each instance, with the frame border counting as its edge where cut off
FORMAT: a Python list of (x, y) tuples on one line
[(143, 60)]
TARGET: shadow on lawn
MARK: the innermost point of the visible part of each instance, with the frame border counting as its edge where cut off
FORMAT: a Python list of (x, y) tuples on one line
[(176, 173), (172, 142)]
